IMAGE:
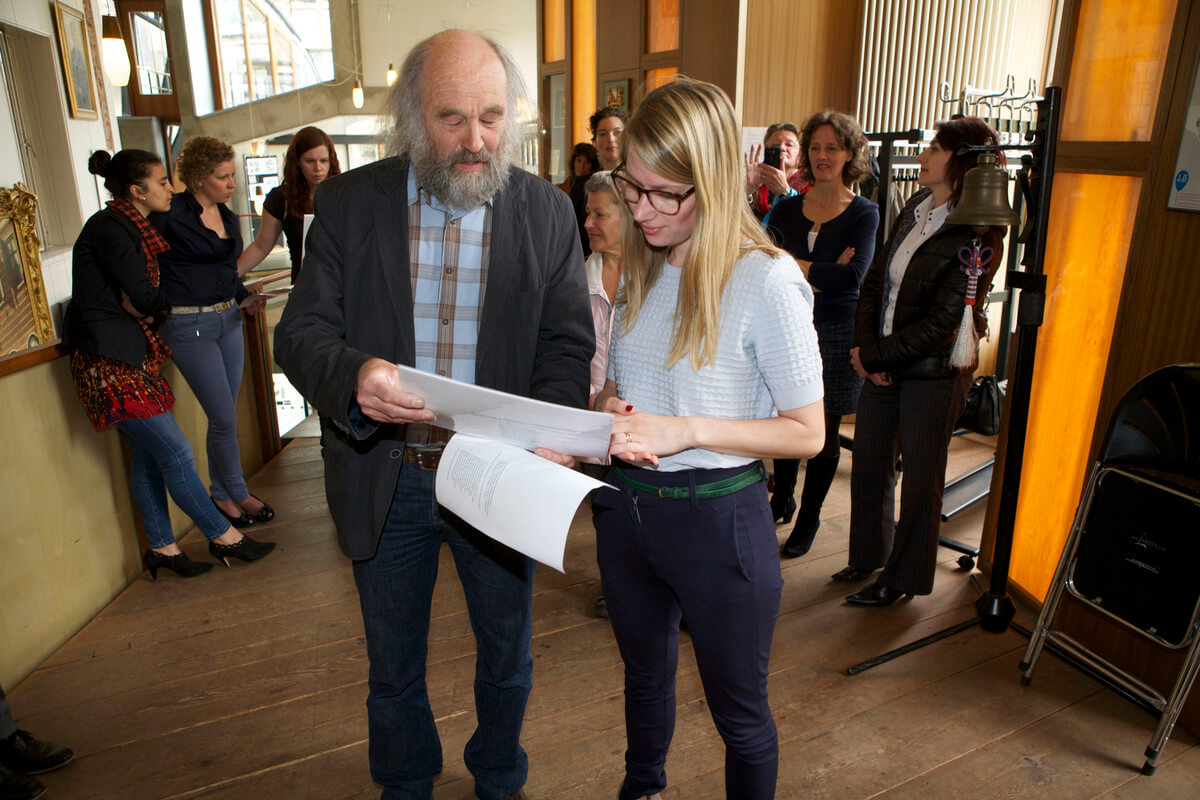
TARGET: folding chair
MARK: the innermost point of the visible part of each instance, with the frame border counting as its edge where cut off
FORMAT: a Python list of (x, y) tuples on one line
[(1134, 547)]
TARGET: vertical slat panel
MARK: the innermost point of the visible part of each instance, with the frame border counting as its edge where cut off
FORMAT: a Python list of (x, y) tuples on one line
[(909, 47)]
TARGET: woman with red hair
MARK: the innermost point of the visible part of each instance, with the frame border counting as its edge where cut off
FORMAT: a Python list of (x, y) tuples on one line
[(310, 159)]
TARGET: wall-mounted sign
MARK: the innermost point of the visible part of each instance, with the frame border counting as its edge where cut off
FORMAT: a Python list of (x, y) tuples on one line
[(1184, 194)]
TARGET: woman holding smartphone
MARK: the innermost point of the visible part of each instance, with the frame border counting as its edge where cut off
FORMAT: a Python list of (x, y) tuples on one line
[(713, 366), (778, 174)]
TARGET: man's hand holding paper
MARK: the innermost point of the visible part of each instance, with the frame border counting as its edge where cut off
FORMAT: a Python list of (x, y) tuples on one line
[(381, 395)]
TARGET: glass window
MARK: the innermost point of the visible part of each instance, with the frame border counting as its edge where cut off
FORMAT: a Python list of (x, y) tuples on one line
[(662, 25), (271, 46), (150, 53), (660, 77), (235, 83), (554, 30), (258, 48), (1117, 69)]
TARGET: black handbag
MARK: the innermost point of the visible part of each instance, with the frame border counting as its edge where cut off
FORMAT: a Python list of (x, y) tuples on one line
[(982, 411)]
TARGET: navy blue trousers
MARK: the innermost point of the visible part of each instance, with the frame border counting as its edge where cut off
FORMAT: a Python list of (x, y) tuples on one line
[(715, 561)]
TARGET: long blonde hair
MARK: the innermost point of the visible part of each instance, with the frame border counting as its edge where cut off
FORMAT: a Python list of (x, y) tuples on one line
[(686, 132)]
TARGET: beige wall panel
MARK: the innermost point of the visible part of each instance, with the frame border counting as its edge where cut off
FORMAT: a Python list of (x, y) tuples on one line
[(801, 57), (709, 43), (618, 35), (68, 544)]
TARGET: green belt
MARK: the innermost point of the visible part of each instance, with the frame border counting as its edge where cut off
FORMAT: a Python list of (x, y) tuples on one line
[(703, 490)]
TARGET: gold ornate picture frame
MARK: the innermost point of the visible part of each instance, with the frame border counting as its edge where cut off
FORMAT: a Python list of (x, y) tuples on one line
[(25, 320), (76, 61)]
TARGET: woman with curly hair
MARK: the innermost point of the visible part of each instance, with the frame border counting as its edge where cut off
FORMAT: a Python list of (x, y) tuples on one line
[(204, 327), (830, 231), (310, 159)]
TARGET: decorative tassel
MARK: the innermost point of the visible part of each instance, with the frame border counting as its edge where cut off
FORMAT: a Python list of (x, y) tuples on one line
[(966, 345)]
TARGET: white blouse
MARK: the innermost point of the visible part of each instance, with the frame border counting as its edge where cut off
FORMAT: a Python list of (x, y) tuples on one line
[(929, 221)]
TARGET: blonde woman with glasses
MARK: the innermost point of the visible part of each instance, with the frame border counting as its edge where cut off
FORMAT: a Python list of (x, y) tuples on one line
[(713, 365)]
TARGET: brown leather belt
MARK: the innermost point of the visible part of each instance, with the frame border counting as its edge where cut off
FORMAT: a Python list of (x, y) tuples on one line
[(427, 454), (427, 458)]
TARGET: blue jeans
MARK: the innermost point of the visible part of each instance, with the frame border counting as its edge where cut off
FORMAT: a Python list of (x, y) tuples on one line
[(161, 460), (395, 590), (715, 561), (208, 350)]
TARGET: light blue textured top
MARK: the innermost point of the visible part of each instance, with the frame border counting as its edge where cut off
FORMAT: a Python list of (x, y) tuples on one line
[(767, 357)]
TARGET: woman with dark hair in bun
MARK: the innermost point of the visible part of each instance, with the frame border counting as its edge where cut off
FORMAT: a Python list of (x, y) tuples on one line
[(117, 357), (204, 324), (310, 159)]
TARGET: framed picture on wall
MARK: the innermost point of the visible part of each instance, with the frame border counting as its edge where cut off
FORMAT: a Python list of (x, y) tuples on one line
[(25, 320), (76, 61), (616, 94)]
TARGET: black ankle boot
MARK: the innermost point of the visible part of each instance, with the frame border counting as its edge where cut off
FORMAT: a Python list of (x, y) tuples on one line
[(180, 564), (247, 550), (802, 536), (782, 508)]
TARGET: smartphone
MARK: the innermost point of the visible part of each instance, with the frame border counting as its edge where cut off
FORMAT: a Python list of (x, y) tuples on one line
[(772, 157)]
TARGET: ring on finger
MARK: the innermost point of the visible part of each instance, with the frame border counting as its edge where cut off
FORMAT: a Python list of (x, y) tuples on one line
[(628, 437)]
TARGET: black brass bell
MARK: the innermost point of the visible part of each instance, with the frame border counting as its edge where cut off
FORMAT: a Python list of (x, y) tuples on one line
[(984, 198)]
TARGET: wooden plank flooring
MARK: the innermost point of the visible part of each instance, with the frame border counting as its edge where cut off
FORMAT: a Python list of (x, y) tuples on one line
[(250, 682)]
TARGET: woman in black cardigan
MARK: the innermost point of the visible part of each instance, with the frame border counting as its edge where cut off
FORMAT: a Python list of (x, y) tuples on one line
[(117, 358), (909, 311), (830, 231)]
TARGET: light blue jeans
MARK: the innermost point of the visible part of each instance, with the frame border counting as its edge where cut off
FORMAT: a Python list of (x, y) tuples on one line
[(208, 350), (161, 460)]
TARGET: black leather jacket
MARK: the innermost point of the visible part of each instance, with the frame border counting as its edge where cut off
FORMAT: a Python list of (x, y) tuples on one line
[(929, 305)]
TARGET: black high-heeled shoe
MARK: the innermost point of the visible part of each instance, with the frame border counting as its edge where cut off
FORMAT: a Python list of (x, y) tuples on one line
[(180, 564), (801, 540), (782, 509), (243, 520), (264, 514), (246, 549)]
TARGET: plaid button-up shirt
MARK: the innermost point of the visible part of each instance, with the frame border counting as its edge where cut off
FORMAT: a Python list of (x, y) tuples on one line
[(448, 252)]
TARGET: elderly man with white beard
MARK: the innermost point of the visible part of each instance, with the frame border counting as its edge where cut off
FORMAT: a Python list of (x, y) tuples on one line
[(448, 257)]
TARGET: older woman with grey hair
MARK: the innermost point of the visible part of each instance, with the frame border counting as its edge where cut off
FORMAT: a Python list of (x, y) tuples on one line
[(603, 226), (604, 267)]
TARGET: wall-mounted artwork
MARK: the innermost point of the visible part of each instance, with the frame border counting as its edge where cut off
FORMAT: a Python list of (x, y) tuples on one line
[(616, 94), (24, 313), (76, 61)]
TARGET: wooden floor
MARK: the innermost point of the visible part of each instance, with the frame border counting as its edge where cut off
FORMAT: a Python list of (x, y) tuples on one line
[(250, 682)]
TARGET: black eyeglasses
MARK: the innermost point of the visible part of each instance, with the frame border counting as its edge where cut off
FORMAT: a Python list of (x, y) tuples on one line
[(663, 202)]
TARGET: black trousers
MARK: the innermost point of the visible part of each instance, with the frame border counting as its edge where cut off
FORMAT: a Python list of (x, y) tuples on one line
[(913, 420)]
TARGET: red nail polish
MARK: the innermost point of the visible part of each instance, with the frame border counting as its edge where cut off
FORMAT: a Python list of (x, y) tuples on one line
[(628, 409)]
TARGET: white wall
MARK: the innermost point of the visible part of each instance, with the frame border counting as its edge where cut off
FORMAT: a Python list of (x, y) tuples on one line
[(83, 137), (512, 23)]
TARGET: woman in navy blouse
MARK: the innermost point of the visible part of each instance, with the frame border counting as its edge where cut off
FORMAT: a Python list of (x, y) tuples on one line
[(204, 328), (830, 231)]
